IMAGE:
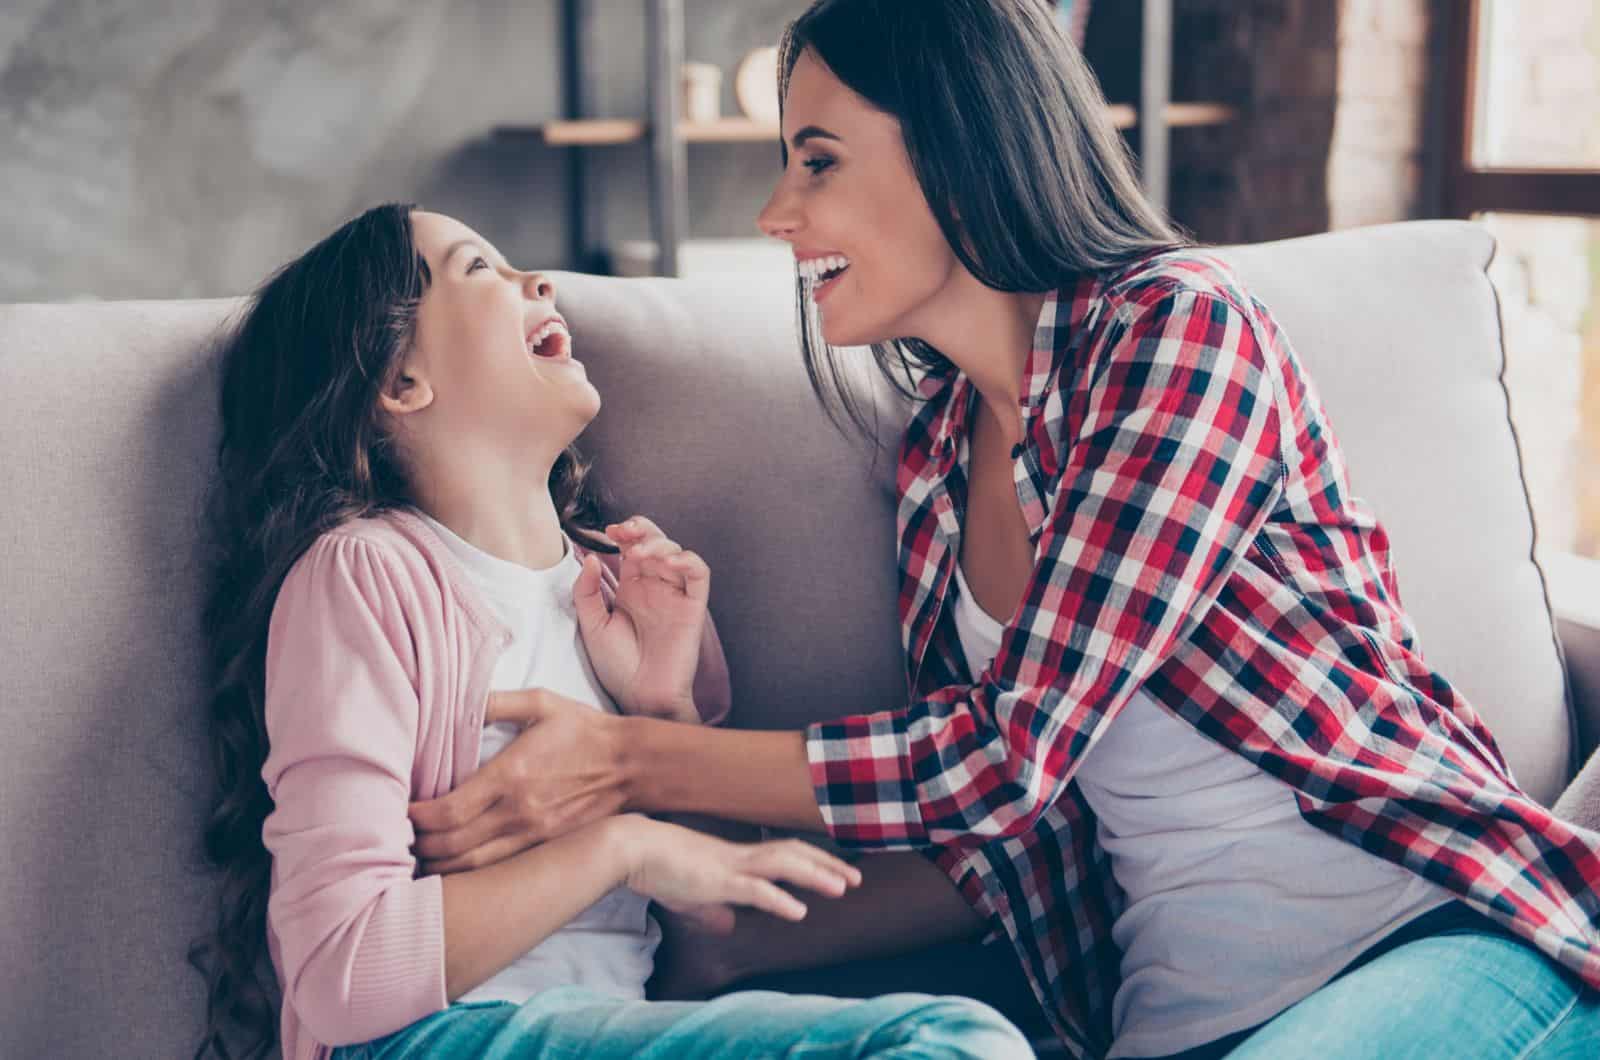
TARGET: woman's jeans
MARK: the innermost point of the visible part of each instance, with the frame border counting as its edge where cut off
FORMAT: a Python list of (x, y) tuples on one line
[(569, 1022), (1457, 987)]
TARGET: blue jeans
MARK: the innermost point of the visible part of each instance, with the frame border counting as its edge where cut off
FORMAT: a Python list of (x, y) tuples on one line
[(1451, 984), (569, 1023)]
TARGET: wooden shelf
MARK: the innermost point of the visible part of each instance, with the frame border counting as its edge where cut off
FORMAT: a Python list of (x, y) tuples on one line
[(1193, 114), (609, 131), (1123, 115), (729, 130), (1179, 115), (589, 133)]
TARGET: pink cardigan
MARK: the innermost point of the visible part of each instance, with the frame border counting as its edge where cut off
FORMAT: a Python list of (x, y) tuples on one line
[(379, 657)]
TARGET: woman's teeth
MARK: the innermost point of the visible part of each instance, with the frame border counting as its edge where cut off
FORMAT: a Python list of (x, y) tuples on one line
[(816, 270), (537, 339)]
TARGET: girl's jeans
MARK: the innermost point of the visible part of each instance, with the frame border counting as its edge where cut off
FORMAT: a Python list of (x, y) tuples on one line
[(569, 1022), (1466, 989)]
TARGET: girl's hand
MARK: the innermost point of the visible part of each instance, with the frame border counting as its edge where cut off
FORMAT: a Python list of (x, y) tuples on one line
[(645, 645), (703, 877)]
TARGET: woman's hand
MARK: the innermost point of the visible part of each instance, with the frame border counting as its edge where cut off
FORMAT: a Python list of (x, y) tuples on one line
[(645, 645), (573, 765), (561, 773), (702, 877)]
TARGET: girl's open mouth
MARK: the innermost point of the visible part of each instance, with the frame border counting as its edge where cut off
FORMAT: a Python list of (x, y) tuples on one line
[(551, 341)]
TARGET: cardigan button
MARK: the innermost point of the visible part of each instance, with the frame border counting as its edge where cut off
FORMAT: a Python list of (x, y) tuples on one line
[(1016, 451)]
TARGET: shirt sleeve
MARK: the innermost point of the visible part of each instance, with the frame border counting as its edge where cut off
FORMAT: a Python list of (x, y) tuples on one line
[(1174, 470), (361, 941)]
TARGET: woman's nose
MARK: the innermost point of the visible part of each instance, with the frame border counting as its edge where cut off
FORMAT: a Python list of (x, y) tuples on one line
[(777, 219), (539, 287)]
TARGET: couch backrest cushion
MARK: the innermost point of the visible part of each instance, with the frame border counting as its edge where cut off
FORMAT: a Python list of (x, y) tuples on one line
[(1399, 327), (108, 435)]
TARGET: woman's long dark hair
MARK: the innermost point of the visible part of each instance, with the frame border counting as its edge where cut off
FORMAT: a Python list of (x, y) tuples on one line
[(303, 449), (1006, 129)]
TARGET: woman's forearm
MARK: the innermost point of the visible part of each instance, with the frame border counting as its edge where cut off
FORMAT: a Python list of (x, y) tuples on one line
[(493, 915), (759, 777)]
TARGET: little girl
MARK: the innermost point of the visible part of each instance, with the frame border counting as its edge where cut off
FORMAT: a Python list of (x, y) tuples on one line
[(404, 531)]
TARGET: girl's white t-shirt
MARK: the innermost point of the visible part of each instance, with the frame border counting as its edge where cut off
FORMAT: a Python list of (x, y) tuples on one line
[(610, 946), (1236, 907)]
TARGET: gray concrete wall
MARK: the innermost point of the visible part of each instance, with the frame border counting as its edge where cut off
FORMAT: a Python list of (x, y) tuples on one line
[(184, 148)]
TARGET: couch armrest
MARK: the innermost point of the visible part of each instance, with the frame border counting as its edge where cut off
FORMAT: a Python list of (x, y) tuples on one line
[(1580, 642), (1574, 585)]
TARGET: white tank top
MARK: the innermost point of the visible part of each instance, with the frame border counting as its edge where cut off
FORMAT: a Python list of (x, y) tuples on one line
[(1236, 907), (610, 946)]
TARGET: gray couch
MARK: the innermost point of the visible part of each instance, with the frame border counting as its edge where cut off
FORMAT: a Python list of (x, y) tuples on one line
[(107, 430)]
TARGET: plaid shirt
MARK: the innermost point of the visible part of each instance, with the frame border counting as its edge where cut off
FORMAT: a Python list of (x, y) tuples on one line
[(1194, 535)]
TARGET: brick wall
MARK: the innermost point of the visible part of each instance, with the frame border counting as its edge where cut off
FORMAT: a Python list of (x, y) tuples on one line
[(1264, 176), (1332, 95), (1375, 162)]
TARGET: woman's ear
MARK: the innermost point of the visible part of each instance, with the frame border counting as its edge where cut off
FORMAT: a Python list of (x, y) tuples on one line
[(405, 393)]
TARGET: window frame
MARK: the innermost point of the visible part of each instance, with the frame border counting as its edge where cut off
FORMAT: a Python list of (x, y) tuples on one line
[(1468, 188)]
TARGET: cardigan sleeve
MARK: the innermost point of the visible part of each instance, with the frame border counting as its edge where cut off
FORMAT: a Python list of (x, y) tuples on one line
[(361, 940)]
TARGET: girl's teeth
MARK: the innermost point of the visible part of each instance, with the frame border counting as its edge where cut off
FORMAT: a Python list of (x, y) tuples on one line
[(542, 334)]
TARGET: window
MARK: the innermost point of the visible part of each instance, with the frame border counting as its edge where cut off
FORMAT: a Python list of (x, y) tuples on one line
[(1523, 156)]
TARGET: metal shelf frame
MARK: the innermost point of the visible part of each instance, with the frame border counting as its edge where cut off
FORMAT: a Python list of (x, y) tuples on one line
[(667, 135)]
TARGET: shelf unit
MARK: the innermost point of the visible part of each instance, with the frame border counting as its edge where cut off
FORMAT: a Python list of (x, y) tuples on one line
[(668, 135), (604, 132)]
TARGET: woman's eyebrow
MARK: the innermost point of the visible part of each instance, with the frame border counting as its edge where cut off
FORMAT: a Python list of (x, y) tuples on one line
[(812, 132)]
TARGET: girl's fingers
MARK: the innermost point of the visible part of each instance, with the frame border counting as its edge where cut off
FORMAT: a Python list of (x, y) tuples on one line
[(764, 894), (696, 574), (663, 569), (633, 530), (651, 549), (684, 571), (780, 862), (832, 862), (817, 856)]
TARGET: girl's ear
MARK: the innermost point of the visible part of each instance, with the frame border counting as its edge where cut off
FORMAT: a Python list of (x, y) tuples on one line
[(406, 393)]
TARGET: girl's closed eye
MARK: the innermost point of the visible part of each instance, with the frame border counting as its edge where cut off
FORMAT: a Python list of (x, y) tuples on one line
[(818, 164)]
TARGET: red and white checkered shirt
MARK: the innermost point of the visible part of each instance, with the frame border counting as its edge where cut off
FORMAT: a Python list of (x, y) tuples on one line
[(1195, 536)]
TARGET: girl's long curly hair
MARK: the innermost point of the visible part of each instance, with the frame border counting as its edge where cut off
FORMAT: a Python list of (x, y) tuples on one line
[(304, 448)]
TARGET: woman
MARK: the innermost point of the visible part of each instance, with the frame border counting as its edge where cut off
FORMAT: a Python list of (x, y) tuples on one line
[(405, 528), (1171, 729)]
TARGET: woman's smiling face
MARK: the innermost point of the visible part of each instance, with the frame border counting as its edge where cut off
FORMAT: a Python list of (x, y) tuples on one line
[(491, 359), (849, 191)]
